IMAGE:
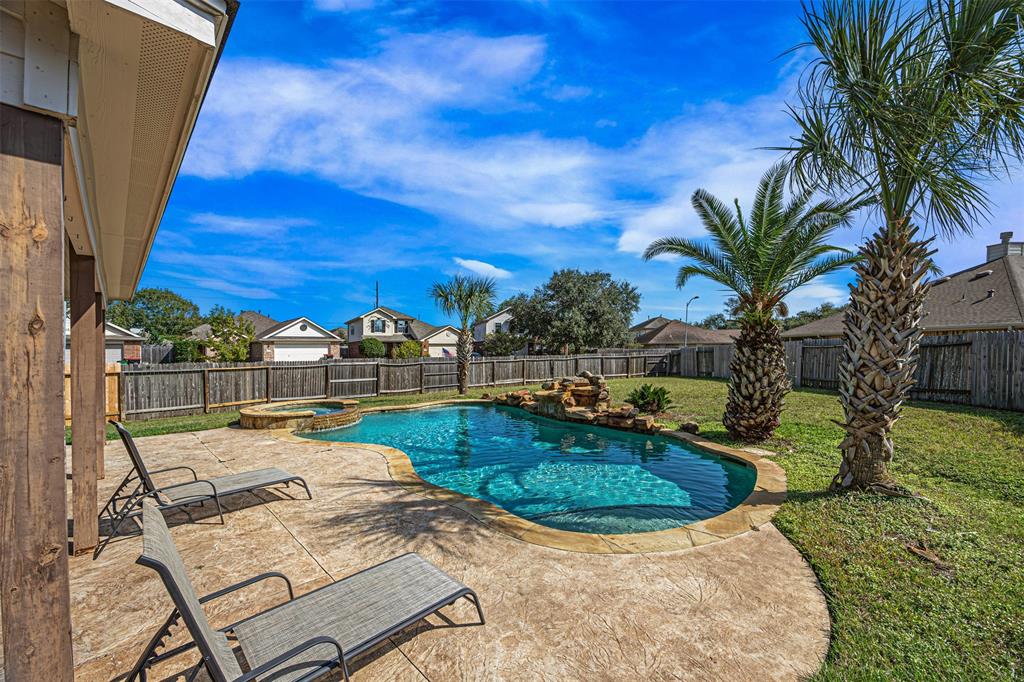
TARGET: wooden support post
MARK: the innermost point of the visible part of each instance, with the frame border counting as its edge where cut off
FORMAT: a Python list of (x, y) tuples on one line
[(87, 377), (423, 376), (268, 384), (494, 375), (525, 362), (36, 616), (327, 380), (101, 386)]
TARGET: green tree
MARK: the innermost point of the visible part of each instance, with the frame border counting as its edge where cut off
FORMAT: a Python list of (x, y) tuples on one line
[(804, 316), (503, 343), (718, 321), (162, 314), (230, 335), (407, 350), (372, 348), (468, 299), (764, 257), (912, 106), (576, 311), (186, 350)]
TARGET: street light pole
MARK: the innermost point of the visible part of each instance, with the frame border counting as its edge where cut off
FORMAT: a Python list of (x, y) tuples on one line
[(686, 321)]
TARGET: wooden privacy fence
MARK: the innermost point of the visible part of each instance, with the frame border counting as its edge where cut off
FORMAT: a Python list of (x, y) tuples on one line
[(984, 369), (191, 388), (112, 388)]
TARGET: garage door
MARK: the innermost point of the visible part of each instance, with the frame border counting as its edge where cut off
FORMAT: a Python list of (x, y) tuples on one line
[(300, 351)]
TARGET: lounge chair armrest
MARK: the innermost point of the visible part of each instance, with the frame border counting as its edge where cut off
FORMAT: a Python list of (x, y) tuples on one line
[(154, 493), (181, 468), (290, 654), (249, 581)]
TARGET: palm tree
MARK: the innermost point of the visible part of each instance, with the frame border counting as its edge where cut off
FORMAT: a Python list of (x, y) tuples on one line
[(468, 298), (912, 107), (780, 248)]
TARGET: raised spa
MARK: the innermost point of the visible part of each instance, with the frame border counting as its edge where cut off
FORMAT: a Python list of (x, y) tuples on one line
[(563, 475), (300, 415)]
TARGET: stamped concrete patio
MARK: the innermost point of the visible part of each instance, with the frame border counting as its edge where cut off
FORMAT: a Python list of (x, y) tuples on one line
[(747, 607)]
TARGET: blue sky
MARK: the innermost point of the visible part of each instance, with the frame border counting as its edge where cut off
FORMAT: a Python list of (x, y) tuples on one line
[(349, 141)]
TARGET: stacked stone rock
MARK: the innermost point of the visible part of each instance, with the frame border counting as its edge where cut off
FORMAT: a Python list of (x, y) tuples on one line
[(584, 398)]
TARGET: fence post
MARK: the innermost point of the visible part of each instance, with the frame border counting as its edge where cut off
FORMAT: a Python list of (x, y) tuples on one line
[(206, 391), (423, 377), (121, 397), (269, 396), (376, 372), (525, 363)]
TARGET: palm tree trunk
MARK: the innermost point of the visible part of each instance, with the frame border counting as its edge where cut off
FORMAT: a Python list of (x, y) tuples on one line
[(464, 351), (758, 382), (882, 329)]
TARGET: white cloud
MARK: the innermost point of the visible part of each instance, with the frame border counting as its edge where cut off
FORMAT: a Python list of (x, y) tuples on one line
[(814, 293), (251, 227), (376, 126), (343, 5), (565, 93), (481, 268)]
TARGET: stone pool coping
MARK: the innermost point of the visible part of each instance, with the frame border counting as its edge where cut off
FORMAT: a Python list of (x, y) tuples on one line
[(753, 512)]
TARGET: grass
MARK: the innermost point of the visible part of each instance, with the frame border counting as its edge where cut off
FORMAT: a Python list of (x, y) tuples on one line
[(895, 615)]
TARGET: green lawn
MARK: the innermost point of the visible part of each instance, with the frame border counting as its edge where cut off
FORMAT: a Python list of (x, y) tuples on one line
[(895, 615)]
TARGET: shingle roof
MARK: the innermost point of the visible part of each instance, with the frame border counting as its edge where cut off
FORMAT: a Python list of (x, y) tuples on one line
[(651, 323), (260, 323), (986, 296), (673, 333), (270, 331)]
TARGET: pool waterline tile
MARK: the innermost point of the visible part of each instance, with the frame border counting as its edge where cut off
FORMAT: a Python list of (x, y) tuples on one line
[(757, 509)]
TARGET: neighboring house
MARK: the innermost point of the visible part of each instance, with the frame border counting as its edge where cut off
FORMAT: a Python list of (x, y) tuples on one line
[(122, 345), (674, 334), (342, 333), (260, 323), (393, 328), (500, 321), (986, 297), (648, 326), (296, 339)]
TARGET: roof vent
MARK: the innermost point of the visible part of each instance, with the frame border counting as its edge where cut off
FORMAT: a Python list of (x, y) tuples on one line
[(940, 280), (979, 275)]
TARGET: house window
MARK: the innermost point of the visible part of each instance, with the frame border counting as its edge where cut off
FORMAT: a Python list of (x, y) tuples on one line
[(352, 330), (377, 326), (401, 326)]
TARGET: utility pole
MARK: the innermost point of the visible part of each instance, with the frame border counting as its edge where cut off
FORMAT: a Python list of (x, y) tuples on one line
[(686, 321), (376, 294)]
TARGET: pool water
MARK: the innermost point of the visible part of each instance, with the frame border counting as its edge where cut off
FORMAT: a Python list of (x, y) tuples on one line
[(563, 475), (317, 408)]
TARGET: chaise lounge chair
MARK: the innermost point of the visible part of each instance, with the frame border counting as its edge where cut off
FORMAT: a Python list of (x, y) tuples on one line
[(124, 505), (302, 638)]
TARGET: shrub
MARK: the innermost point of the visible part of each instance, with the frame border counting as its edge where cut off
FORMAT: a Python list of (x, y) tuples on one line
[(407, 350), (372, 348), (650, 399), (186, 350)]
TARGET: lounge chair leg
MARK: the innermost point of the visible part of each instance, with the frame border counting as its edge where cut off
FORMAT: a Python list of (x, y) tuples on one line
[(344, 669), (304, 485), (220, 510), (471, 596)]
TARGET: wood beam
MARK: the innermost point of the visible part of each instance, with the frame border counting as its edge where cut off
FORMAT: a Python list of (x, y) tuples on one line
[(101, 386), (86, 380), (36, 613)]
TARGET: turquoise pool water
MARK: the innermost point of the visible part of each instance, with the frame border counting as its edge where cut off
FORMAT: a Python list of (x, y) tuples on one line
[(568, 476), (317, 408)]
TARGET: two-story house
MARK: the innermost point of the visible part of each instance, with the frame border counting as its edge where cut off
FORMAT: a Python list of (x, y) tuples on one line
[(393, 328)]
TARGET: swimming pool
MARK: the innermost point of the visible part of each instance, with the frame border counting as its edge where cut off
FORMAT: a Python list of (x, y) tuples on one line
[(558, 474)]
